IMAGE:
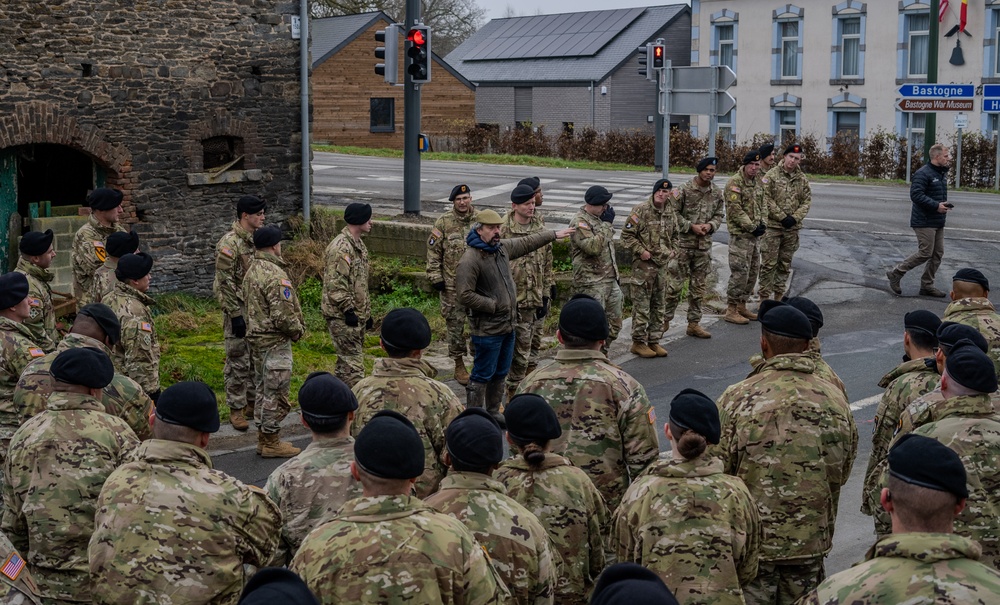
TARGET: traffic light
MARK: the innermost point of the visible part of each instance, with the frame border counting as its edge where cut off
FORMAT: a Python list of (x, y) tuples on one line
[(659, 56), (389, 54), (419, 54), (644, 53)]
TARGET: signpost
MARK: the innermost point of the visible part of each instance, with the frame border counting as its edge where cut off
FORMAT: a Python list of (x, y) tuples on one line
[(696, 91), (931, 98)]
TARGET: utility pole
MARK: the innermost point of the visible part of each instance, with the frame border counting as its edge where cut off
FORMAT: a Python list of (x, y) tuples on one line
[(930, 126), (411, 124)]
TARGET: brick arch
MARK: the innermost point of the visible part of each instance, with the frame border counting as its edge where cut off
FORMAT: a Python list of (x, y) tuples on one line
[(222, 123)]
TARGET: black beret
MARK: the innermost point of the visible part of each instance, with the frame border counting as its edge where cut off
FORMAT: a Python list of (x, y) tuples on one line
[(974, 276), (120, 243), (971, 368), (36, 243), (266, 236), (597, 195), (105, 318), (926, 462), (406, 329), (922, 320), (357, 213), (766, 150), (793, 148), (522, 194), (84, 366), (784, 320), (692, 409), (532, 181), (474, 438), (630, 584), (389, 446), (13, 289), (191, 404), (706, 162), (950, 333), (323, 396), (751, 157), (251, 204), (104, 198), (134, 266), (810, 309), (662, 184), (273, 585), (458, 190), (584, 317), (530, 418)]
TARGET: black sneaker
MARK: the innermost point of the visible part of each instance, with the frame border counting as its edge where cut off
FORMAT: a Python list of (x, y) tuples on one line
[(932, 291)]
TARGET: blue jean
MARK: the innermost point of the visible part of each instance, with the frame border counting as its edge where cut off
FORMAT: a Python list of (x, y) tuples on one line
[(493, 357)]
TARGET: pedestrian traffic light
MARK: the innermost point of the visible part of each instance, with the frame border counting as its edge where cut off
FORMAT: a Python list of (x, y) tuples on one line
[(419, 54), (659, 53), (389, 54), (644, 53)]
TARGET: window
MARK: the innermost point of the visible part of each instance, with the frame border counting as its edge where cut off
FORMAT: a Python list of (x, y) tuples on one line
[(996, 43), (847, 121), (223, 153), (789, 31), (787, 121), (917, 124), (850, 43), (725, 126), (919, 43), (383, 115), (567, 129), (726, 38)]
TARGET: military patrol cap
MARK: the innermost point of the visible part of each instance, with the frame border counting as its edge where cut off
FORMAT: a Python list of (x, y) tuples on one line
[(406, 329), (488, 217), (474, 438), (458, 190), (974, 276), (104, 317), (950, 333), (35, 243), (926, 462), (810, 309), (522, 194), (530, 418), (793, 148), (662, 185), (273, 585), (191, 404), (532, 181), (13, 289), (390, 447), (751, 157), (265, 237), (323, 396), (134, 266), (971, 368), (766, 150), (781, 319), (84, 366), (922, 320), (105, 198), (706, 162), (251, 204), (584, 317), (693, 410), (357, 213), (629, 584), (120, 243), (597, 196)]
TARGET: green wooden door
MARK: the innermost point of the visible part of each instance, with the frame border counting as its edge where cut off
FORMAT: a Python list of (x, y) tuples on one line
[(8, 201)]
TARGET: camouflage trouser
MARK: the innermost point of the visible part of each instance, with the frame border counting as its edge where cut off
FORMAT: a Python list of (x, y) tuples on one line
[(610, 296), (273, 368), (776, 250), (455, 319), (6, 432), (783, 584), (524, 334), (744, 265), (350, 345), (694, 265), (536, 341), (238, 374), (649, 288)]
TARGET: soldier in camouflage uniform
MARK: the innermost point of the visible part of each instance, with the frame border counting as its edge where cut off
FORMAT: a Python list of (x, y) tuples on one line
[(745, 215), (766, 153), (137, 354), (788, 196), (650, 233), (57, 464), (118, 245), (607, 420), (36, 258), (685, 519), (786, 412), (310, 488), (169, 528), (971, 306), (923, 561), (404, 383), (17, 587), (88, 243), (592, 249), (700, 209), (518, 545), (536, 342), (233, 254), (419, 553), (445, 247), (274, 323)]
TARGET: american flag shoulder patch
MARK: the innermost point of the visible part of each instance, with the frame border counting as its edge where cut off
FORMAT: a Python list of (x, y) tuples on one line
[(36, 352), (13, 566), (227, 251), (651, 414), (146, 326), (286, 283)]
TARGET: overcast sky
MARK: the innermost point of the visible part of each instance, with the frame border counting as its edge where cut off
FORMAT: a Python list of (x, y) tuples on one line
[(498, 8)]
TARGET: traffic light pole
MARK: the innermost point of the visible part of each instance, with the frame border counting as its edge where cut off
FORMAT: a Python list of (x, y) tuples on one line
[(411, 125)]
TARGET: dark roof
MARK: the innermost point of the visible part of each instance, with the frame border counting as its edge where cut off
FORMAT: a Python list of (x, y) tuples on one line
[(568, 47)]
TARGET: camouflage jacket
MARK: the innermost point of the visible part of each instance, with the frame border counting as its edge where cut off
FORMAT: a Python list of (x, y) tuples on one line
[(123, 398), (273, 313), (592, 249), (924, 409), (42, 323), (650, 229), (407, 386), (980, 314), (137, 354), (745, 205), (823, 369), (22, 589), (88, 254), (518, 545), (785, 412), (16, 350), (172, 530), (233, 254), (413, 550), (446, 245), (913, 568), (573, 513), (694, 526), (786, 194), (532, 273), (608, 423), (104, 280), (345, 277), (56, 466), (310, 488), (695, 205)]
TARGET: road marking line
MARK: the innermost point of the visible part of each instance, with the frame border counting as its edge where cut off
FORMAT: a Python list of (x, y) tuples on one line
[(973, 230), (866, 403), (485, 193), (834, 220)]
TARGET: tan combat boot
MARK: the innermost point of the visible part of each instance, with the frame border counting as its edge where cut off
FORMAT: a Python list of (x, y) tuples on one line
[(695, 329), (461, 374), (742, 310), (642, 350), (658, 349), (237, 420), (273, 447), (733, 315)]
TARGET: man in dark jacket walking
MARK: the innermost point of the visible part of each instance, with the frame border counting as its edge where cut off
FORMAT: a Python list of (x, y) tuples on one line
[(486, 289), (929, 194)]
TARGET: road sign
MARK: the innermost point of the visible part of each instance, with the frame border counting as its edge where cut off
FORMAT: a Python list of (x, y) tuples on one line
[(991, 98), (991, 90), (928, 105), (938, 91), (697, 91), (695, 103), (991, 105), (961, 121), (702, 78)]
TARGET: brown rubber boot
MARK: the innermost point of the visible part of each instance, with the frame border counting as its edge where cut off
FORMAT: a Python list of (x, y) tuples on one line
[(742, 310), (642, 350), (733, 315), (237, 420), (658, 349), (494, 399), (532, 366), (461, 374), (695, 329), (274, 447)]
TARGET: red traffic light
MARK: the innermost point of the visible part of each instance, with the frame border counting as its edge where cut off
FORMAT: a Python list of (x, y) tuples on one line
[(657, 52), (417, 37)]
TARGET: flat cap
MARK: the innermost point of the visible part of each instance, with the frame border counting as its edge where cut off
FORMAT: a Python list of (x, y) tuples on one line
[(458, 190), (630, 584), (121, 243), (922, 320), (36, 243), (784, 320), (951, 333), (266, 236), (406, 329), (522, 194), (926, 462), (810, 309), (532, 181), (751, 157), (530, 418), (793, 148), (277, 585), (104, 317), (974, 276), (706, 162), (357, 213), (474, 438), (251, 204), (970, 367), (13, 289), (191, 404), (662, 185), (323, 396), (390, 447), (597, 195), (84, 366), (691, 409), (134, 266), (105, 198), (489, 217), (766, 150), (584, 317)]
